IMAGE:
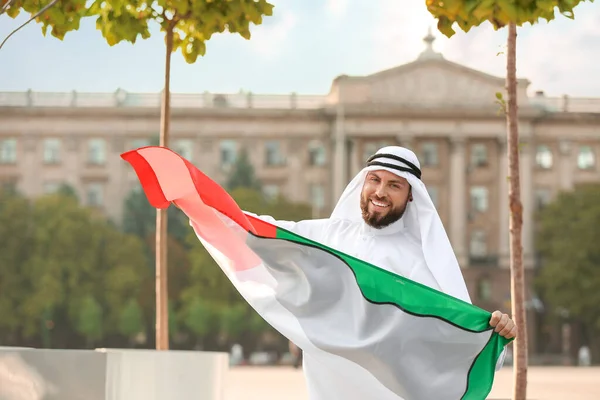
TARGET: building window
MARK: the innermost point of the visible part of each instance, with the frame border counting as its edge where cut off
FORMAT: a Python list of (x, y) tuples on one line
[(430, 154), (8, 151), (478, 244), (543, 157), (273, 153), (51, 187), (139, 143), (484, 289), (316, 154), (433, 194), (317, 196), (228, 153), (586, 158), (94, 194), (271, 191), (185, 148), (543, 196), (51, 151), (479, 156), (479, 198), (97, 151)]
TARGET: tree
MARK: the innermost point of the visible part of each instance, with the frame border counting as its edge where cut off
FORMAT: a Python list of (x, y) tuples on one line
[(568, 233), (16, 237), (131, 320), (197, 317), (89, 321), (139, 218), (500, 13), (187, 25), (63, 263), (242, 174), (64, 272)]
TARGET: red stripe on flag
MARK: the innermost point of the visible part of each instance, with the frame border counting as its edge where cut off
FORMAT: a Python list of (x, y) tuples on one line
[(167, 177), (263, 228), (147, 178)]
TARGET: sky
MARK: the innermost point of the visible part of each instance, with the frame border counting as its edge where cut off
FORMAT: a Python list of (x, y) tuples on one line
[(302, 48)]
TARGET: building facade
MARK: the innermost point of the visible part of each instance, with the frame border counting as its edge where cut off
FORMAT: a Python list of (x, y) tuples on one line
[(309, 147)]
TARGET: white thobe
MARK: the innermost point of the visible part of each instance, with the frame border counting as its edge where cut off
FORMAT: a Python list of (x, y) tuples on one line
[(391, 248)]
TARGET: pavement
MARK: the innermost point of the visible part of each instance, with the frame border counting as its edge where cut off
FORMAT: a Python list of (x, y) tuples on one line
[(544, 383)]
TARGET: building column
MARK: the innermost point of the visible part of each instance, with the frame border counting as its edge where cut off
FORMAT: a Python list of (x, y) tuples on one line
[(526, 172), (355, 163), (504, 219), (296, 186), (340, 153), (458, 200), (27, 156), (565, 165)]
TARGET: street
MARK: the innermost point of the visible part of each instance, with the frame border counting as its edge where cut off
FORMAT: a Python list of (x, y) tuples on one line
[(544, 383)]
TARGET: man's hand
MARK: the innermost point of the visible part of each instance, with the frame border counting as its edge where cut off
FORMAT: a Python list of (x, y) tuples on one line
[(503, 324)]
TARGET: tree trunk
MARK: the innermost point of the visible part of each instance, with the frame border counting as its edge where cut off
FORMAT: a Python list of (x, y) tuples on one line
[(162, 295), (516, 222)]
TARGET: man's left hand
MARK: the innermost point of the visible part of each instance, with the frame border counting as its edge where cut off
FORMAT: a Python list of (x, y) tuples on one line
[(504, 325)]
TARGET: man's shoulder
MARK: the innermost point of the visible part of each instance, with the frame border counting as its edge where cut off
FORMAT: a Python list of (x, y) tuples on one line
[(341, 222)]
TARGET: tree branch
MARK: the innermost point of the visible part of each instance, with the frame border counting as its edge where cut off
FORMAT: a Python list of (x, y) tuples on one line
[(6, 6), (53, 2)]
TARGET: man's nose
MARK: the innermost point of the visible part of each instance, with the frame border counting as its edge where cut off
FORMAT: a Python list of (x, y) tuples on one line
[(380, 191)]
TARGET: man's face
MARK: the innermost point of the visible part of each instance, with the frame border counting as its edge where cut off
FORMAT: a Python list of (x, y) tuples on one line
[(384, 198)]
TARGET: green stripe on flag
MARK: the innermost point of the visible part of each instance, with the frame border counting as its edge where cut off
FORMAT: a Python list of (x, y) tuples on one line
[(384, 287), (381, 286)]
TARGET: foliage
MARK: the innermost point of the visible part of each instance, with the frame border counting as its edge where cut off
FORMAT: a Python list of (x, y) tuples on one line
[(567, 239), (16, 237), (61, 18), (198, 316), (67, 272), (139, 218), (470, 13), (192, 22), (89, 321), (131, 319)]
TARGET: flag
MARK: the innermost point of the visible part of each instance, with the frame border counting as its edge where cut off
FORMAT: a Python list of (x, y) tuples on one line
[(401, 337)]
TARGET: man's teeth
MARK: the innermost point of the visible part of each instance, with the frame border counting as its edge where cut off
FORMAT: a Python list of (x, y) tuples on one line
[(378, 204)]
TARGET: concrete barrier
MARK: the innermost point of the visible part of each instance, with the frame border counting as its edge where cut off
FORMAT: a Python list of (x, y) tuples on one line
[(111, 374)]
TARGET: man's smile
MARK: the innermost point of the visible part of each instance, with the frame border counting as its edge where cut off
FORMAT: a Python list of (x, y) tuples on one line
[(379, 204)]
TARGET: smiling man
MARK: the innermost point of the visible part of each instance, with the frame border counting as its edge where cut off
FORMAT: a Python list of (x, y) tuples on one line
[(386, 217)]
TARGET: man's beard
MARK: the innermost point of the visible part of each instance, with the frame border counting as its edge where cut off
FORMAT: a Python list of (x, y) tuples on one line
[(376, 220)]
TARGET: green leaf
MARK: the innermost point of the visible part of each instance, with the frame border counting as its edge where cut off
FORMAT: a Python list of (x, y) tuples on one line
[(499, 13)]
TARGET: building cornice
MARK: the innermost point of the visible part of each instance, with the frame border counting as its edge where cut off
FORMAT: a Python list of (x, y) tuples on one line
[(176, 113), (364, 110), (430, 112)]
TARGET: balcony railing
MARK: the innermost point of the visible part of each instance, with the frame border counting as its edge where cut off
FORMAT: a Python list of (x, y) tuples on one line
[(121, 98)]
